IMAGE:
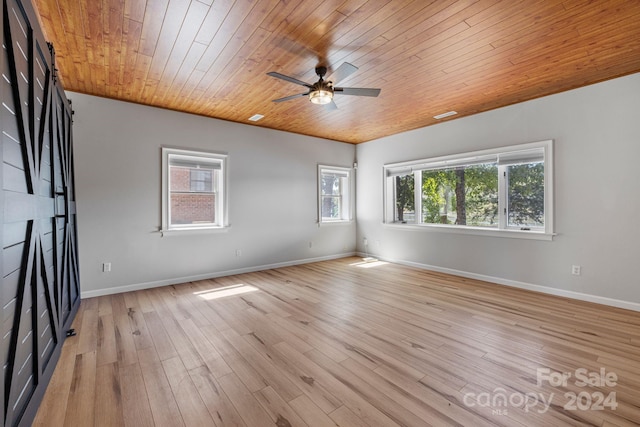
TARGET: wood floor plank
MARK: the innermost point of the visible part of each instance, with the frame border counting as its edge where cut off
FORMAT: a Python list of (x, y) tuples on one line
[(194, 411), (89, 340), (200, 303), (267, 303), (450, 404), (344, 417), (217, 365), (108, 400), (135, 403), (130, 300), (233, 317), (163, 344), (273, 376), (184, 303), (262, 324), (318, 386), (308, 335), (104, 305), (340, 389), (54, 403), (141, 335), (378, 398), (222, 411), (251, 412), (281, 413), (107, 348), (184, 347), (396, 395), (161, 399), (144, 302), (171, 301), (82, 391), (118, 305), (310, 412), (243, 369), (125, 343), (333, 344)]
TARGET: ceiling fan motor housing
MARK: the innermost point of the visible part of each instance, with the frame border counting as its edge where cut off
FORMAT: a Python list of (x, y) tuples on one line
[(321, 70)]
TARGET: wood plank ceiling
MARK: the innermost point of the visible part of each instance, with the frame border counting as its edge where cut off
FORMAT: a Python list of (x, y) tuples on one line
[(210, 57)]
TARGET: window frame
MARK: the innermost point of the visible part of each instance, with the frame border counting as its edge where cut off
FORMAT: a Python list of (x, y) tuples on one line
[(221, 207), (502, 229), (349, 187)]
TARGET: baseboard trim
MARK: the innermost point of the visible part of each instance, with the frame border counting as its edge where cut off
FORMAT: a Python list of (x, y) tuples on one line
[(516, 284), (212, 275)]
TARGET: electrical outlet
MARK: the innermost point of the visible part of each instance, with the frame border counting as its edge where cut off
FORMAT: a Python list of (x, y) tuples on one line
[(365, 241), (238, 252), (106, 267), (576, 270)]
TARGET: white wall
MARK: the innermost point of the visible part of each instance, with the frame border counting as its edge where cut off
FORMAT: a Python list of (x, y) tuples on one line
[(597, 203), (272, 198), (597, 194)]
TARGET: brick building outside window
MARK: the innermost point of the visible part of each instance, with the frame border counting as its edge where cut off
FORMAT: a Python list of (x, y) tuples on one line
[(193, 198)]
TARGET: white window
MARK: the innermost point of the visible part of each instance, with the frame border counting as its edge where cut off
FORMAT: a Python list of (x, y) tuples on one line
[(506, 189), (334, 194), (193, 190)]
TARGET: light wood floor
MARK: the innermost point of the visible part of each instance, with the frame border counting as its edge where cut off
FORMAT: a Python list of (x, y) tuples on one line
[(334, 343)]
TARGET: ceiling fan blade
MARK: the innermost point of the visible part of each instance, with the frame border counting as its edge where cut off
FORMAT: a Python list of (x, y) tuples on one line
[(289, 79), (342, 72), (357, 91), (287, 98), (331, 106)]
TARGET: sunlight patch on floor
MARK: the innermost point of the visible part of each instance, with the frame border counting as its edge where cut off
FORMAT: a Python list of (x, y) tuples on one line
[(226, 291), (368, 264)]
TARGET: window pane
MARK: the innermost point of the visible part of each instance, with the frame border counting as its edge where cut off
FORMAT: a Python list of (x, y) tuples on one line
[(526, 195), (192, 195), (180, 178), (193, 208), (481, 195), (330, 184), (201, 180), (331, 207), (465, 195), (404, 198)]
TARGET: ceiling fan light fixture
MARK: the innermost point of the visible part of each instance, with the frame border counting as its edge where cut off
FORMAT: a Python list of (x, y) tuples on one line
[(320, 96)]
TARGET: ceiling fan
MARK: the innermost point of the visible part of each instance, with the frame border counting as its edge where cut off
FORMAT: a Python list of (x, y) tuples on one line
[(322, 91)]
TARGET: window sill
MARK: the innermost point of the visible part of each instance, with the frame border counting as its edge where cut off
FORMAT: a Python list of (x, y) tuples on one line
[(476, 231), (194, 230), (333, 223)]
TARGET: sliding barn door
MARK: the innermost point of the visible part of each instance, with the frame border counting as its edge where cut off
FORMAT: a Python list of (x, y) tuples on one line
[(39, 266)]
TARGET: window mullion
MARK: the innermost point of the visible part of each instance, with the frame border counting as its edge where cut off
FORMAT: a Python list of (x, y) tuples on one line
[(417, 190), (218, 193), (503, 185), (344, 199)]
